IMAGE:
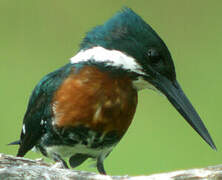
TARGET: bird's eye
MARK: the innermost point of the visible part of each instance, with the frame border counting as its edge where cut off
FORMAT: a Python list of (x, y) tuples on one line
[(154, 56)]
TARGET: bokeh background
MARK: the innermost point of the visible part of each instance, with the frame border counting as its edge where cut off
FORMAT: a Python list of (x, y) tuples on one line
[(36, 37)]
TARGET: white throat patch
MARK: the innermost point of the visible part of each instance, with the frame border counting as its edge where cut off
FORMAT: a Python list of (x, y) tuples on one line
[(141, 84), (110, 57)]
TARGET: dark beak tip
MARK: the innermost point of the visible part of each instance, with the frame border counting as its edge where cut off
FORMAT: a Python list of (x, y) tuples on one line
[(212, 145)]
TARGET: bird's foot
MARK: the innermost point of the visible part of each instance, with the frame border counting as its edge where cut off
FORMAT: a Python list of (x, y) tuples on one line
[(100, 166), (60, 163)]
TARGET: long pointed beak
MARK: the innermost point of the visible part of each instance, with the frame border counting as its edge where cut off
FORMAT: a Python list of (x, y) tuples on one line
[(178, 99)]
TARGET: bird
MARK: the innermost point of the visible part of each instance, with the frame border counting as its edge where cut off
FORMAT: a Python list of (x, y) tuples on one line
[(83, 109)]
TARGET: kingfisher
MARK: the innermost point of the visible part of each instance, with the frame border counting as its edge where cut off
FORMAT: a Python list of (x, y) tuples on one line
[(83, 109)]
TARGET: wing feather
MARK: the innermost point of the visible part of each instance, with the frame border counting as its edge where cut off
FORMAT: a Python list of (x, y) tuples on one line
[(39, 111)]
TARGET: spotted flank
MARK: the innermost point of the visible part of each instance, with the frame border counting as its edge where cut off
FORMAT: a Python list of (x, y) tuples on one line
[(76, 140)]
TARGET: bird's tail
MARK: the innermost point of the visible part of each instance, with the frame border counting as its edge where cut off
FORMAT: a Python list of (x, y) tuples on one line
[(15, 143), (20, 152)]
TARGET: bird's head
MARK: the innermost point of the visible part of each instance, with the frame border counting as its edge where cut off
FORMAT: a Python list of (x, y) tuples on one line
[(127, 44)]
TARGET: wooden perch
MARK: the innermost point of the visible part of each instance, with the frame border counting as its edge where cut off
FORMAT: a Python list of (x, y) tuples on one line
[(15, 168)]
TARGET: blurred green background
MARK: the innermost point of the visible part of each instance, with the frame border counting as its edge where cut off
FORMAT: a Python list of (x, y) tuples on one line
[(36, 37)]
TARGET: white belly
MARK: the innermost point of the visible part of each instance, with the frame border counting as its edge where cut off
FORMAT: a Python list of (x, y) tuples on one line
[(68, 151)]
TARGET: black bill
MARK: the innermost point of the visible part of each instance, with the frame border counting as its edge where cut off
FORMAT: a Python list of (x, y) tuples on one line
[(178, 99)]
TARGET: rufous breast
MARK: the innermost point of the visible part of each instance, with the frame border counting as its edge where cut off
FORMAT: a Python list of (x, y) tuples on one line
[(95, 99)]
